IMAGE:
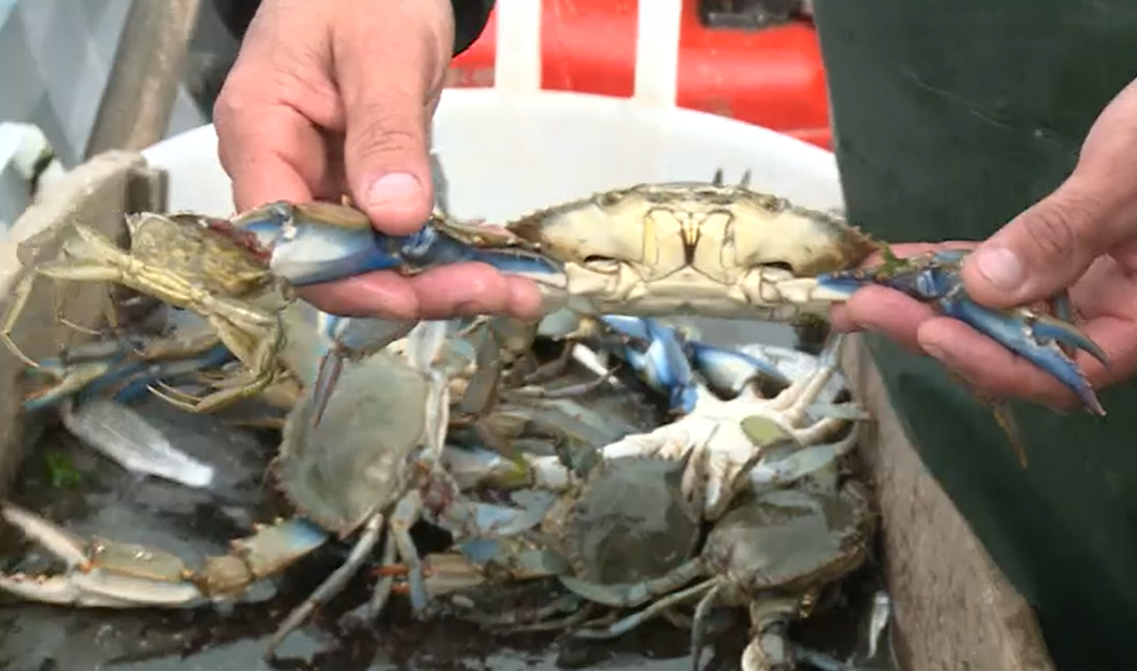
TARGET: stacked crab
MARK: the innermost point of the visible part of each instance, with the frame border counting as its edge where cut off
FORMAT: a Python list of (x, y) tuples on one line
[(733, 495)]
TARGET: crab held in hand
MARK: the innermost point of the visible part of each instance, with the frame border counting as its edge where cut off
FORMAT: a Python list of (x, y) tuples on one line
[(709, 249)]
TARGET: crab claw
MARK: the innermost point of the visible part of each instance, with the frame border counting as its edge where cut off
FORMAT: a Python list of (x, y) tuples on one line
[(655, 353), (1040, 339), (728, 371), (118, 372), (99, 573), (313, 243), (344, 339)]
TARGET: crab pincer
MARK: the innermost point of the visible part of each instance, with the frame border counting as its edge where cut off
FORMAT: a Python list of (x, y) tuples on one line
[(314, 243), (1046, 341)]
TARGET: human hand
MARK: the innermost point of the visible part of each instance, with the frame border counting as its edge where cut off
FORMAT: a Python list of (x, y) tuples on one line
[(335, 97), (1082, 237)]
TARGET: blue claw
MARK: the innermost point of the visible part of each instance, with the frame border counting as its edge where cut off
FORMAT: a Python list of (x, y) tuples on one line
[(144, 376), (84, 375), (317, 243), (728, 371), (1038, 338), (348, 338), (655, 353)]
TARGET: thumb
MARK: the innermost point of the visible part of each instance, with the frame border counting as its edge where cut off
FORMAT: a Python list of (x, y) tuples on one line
[(1039, 253), (389, 58), (1048, 247), (1045, 249)]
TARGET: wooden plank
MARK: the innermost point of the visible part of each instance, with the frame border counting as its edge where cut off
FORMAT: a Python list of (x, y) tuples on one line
[(954, 609), (96, 194)]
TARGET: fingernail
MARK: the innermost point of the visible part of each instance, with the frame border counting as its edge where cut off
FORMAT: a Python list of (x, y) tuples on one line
[(935, 352), (395, 191), (1000, 266)]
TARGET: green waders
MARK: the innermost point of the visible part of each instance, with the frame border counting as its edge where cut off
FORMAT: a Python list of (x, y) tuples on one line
[(951, 117)]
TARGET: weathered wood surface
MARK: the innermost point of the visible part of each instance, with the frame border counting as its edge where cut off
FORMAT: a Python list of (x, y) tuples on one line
[(953, 608), (95, 194)]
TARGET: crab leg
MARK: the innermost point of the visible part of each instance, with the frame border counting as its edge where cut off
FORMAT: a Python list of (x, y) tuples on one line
[(167, 373), (332, 585), (656, 353), (348, 338), (624, 625), (542, 618), (636, 594), (768, 648), (128, 378), (728, 371), (106, 573), (101, 573)]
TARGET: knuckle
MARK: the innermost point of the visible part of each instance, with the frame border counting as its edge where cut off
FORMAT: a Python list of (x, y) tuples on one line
[(1053, 227), (384, 137)]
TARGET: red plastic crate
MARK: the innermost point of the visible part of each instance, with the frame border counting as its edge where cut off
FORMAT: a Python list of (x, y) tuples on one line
[(772, 77)]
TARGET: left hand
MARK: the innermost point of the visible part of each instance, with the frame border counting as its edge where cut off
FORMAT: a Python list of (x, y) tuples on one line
[(1082, 237)]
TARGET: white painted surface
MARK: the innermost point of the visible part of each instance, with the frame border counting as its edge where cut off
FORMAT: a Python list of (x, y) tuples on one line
[(23, 169), (55, 56)]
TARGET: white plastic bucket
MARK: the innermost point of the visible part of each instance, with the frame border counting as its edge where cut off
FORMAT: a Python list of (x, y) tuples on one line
[(514, 148)]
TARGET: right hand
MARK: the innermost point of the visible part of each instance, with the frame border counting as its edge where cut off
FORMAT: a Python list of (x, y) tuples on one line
[(336, 97)]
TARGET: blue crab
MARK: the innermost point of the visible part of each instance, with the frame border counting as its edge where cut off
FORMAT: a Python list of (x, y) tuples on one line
[(773, 553), (623, 520), (711, 249), (371, 466), (182, 261), (730, 447)]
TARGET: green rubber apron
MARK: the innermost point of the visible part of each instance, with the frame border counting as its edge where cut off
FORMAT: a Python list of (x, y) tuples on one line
[(950, 118)]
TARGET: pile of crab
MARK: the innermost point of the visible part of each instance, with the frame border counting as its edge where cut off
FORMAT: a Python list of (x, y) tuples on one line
[(724, 486)]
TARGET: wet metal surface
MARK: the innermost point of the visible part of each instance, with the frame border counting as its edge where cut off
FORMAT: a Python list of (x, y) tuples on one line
[(92, 495)]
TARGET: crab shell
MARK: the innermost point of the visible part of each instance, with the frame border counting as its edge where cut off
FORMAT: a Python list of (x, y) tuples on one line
[(355, 461), (187, 246), (663, 249), (630, 521), (791, 539)]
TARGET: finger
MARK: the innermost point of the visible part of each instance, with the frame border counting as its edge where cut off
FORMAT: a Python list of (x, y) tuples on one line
[(988, 366), (389, 58), (1047, 247), (888, 313), (1043, 250), (472, 289), (381, 294), (274, 100), (840, 319), (457, 290), (271, 154)]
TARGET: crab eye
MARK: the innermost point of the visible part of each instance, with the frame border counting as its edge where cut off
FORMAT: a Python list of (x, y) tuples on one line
[(780, 265), (602, 263)]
